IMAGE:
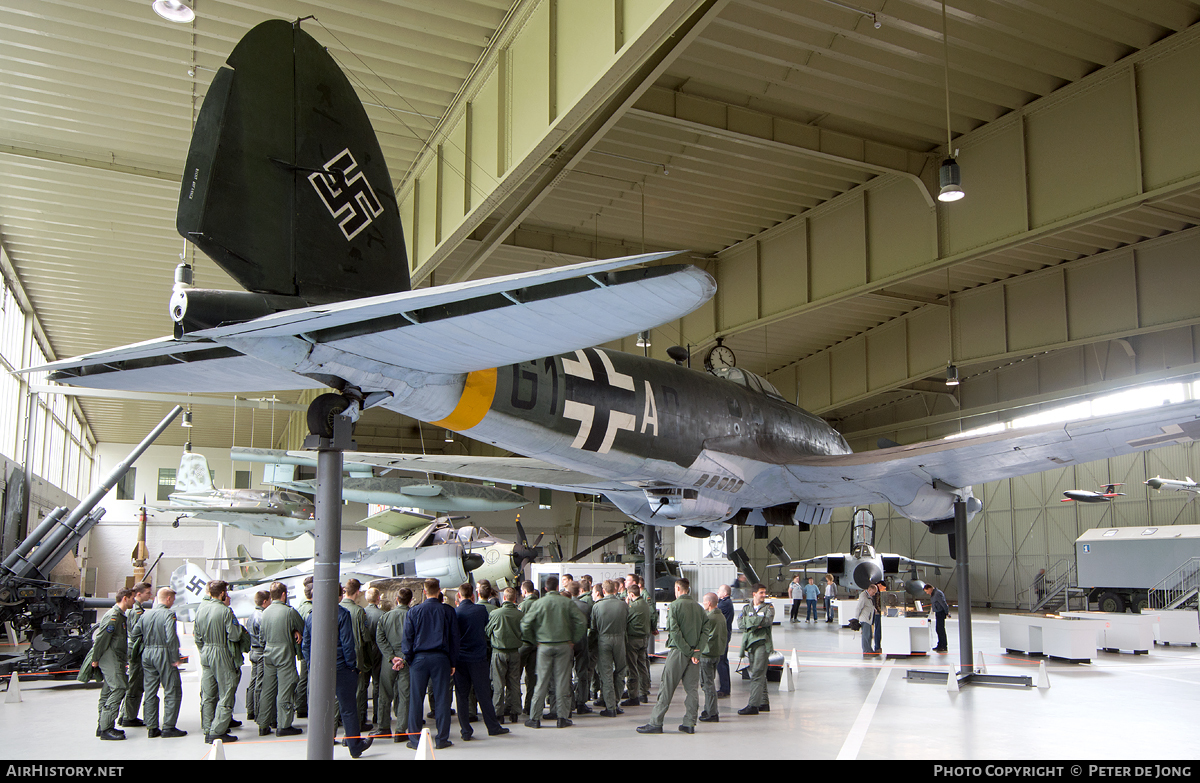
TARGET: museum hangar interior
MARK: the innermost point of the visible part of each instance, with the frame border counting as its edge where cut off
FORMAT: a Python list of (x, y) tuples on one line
[(795, 150)]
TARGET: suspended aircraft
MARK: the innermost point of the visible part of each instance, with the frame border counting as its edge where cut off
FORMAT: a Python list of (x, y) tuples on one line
[(1160, 483), (273, 513), (302, 214), (427, 494), (1108, 492)]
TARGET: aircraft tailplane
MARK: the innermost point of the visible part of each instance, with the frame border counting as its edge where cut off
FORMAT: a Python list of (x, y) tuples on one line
[(285, 185), (193, 475)]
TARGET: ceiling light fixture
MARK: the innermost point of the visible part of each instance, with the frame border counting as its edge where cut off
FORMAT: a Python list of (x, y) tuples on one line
[(951, 375), (643, 340), (949, 176), (857, 10), (449, 436), (187, 418), (173, 11)]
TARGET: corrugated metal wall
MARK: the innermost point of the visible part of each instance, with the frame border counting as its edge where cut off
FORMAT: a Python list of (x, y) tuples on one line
[(1024, 525)]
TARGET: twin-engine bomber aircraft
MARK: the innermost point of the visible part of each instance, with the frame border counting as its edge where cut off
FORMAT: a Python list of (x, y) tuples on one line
[(286, 188)]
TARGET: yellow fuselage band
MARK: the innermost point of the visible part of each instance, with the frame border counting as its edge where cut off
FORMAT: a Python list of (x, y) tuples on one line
[(477, 395)]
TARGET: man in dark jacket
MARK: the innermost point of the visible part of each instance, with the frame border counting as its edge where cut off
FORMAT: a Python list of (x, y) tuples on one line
[(471, 671), (725, 605), (430, 647), (345, 676)]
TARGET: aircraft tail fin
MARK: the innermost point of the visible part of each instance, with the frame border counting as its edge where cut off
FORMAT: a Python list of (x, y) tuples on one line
[(188, 581), (193, 475), (285, 186)]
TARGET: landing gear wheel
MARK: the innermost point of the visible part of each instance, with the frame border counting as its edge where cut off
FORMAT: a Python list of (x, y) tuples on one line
[(321, 412), (1111, 602)]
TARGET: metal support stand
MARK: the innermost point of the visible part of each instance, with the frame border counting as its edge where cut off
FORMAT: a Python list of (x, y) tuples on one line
[(966, 652), (649, 547), (323, 655)]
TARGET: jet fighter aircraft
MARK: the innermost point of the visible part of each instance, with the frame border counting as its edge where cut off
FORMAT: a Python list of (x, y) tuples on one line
[(301, 213), (273, 513)]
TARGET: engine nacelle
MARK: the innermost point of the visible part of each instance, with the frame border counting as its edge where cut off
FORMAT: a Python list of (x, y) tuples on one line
[(933, 505), (196, 309)]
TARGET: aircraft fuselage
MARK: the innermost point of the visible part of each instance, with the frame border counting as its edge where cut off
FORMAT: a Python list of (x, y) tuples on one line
[(693, 438)]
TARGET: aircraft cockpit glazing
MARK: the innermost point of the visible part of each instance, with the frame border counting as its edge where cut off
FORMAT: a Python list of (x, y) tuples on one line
[(747, 379)]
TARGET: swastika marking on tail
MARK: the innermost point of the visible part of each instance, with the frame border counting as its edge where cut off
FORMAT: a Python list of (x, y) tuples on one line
[(347, 194)]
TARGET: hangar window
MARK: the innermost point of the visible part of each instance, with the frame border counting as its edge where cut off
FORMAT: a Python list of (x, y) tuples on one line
[(166, 483)]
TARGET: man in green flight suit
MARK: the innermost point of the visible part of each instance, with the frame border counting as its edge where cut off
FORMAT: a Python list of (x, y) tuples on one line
[(755, 621), (107, 657), (610, 620), (373, 612), (142, 592), (393, 674), (281, 630), (160, 662), (304, 608), (637, 636), (553, 622), (365, 649), (685, 627), (503, 631), (214, 631), (712, 647)]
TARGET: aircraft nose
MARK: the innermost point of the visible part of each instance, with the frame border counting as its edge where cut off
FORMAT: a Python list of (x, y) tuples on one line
[(1155, 483), (867, 573)]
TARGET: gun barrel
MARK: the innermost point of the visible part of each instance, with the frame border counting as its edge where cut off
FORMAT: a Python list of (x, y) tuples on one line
[(66, 527), (19, 554)]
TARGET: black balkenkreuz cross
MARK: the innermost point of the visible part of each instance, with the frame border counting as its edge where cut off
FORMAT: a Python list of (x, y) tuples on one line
[(591, 375)]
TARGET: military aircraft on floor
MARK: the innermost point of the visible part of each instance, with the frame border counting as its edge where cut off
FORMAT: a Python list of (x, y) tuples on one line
[(1088, 496), (1160, 483), (862, 565), (427, 494), (273, 513), (421, 546), (303, 215)]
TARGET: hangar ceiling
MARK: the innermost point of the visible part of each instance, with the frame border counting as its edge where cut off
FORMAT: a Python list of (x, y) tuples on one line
[(756, 118)]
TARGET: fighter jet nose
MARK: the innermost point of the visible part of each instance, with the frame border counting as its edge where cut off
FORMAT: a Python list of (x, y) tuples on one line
[(867, 573), (472, 561), (1154, 483)]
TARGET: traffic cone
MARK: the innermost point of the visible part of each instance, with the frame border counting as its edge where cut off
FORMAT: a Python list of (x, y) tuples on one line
[(787, 683), (424, 747), (952, 681), (14, 690), (980, 666), (1043, 676), (218, 751)]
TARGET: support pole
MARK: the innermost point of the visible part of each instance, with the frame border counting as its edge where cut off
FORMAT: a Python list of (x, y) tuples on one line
[(649, 546), (966, 650), (323, 656)]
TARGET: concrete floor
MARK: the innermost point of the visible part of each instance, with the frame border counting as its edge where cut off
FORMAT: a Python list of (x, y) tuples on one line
[(1118, 706)]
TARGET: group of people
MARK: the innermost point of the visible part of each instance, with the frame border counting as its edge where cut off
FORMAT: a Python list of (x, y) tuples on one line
[(134, 653), (869, 613), (809, 593), (574, 645)]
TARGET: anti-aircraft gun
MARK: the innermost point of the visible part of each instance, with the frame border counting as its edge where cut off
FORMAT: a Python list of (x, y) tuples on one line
[(54, 618)]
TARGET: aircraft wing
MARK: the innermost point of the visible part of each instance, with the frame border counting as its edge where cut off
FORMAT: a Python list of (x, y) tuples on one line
[(522, 471), (798, 565), (908, 562), (899, 473), (222, 513), (456, 328), (395, 523)]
